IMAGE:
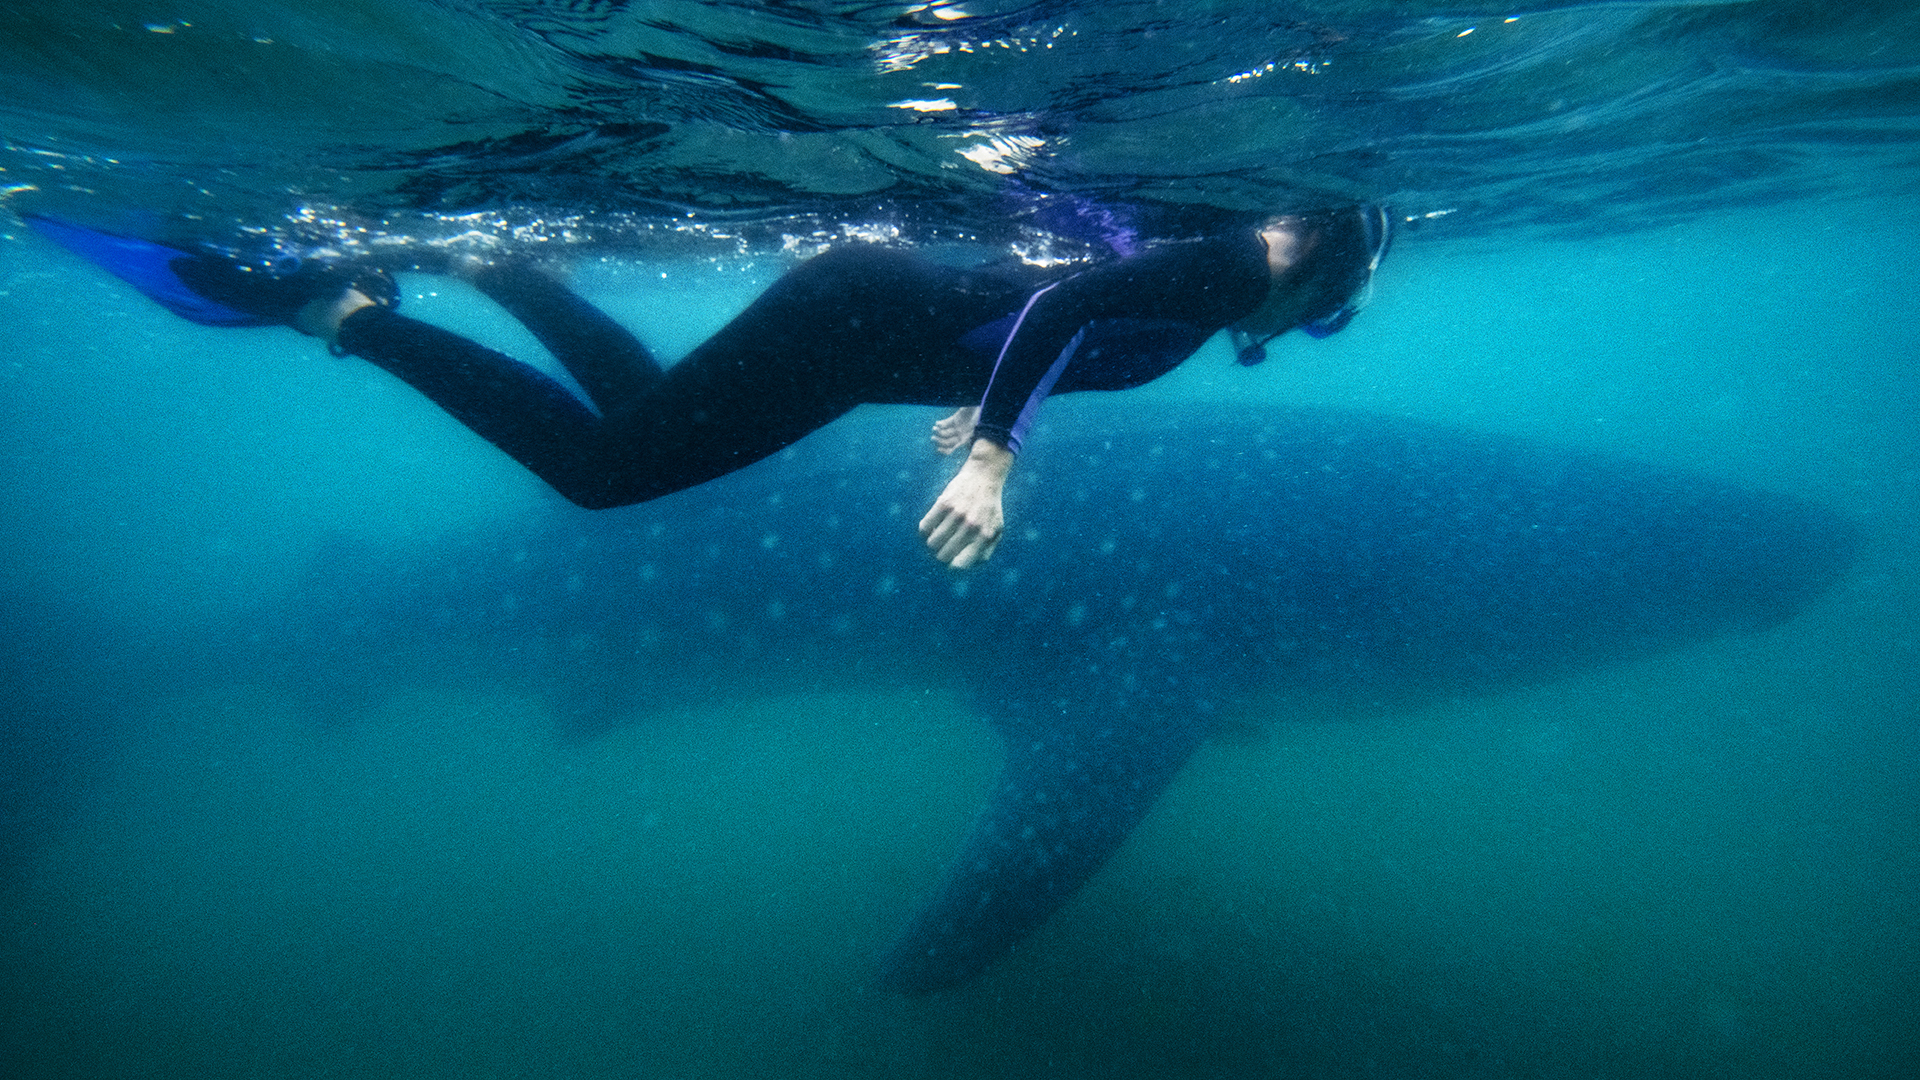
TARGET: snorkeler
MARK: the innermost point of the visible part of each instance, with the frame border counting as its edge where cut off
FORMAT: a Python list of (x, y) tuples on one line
[(859, 324)]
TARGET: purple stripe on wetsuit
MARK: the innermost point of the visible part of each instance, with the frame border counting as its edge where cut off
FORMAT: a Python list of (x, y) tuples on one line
[(1021, 424), (1032, 408), (1114, 326)]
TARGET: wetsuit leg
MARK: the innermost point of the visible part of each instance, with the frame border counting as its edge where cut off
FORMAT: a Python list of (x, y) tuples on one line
[(512, 405), (603, 356), (853, 325)]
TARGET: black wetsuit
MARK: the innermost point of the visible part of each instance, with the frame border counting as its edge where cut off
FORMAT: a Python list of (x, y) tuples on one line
[(855, 325)]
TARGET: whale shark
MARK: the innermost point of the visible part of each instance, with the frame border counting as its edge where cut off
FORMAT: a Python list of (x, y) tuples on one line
[(1152, 577)]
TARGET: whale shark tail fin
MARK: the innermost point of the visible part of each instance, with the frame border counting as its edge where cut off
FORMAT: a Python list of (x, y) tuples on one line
[(1070, 793)]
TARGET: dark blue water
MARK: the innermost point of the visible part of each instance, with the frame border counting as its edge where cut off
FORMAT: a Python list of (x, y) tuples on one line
[(1676, 234)]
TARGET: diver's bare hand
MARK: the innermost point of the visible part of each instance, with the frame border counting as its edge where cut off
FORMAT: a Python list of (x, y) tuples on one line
[(954, 432), (966, 522)]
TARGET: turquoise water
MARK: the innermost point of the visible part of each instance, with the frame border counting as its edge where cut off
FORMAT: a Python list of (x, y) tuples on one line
[(1694, 863)]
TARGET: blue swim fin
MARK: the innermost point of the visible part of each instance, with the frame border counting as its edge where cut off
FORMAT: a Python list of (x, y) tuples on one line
[(147, 266)]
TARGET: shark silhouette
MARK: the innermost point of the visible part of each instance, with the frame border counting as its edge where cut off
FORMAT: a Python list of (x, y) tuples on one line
[(1151, 577)]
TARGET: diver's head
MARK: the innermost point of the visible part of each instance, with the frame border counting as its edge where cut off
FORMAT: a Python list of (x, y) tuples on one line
[(1323, 265)]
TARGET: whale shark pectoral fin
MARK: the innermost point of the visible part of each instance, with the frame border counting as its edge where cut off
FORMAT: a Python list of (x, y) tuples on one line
[(1068, 796)]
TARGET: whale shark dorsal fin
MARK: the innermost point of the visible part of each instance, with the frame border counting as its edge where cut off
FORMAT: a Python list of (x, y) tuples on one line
[(1070, 793)]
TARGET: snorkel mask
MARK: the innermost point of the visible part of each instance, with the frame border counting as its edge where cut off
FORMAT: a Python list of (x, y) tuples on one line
[(1379, 237)]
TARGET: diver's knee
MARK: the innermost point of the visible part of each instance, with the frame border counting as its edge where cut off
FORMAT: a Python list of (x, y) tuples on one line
[(598, 497)]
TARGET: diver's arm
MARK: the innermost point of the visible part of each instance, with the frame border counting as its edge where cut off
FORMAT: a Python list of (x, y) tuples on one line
[(966, 522), (1210, 283)]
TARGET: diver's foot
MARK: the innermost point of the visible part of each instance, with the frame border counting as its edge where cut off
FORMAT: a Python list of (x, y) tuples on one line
[(322, 317), (304, 299)]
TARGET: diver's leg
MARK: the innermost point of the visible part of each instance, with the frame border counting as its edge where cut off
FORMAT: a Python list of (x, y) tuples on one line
[(710, 415), (517, 408), (851, 326), (705, 421), (856, 324), (607, 360)]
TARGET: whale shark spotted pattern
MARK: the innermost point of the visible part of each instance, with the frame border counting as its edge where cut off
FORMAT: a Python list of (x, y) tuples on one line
[(1151, 578)]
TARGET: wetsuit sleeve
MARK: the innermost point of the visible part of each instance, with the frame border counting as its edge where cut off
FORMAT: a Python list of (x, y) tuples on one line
[(1208, 283)]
